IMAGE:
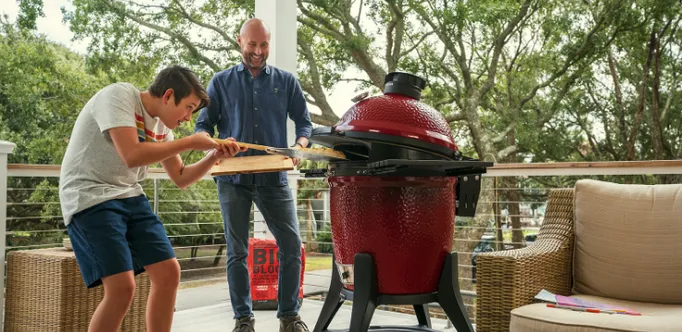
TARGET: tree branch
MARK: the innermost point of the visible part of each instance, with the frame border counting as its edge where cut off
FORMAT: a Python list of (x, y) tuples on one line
[(605, 122), (393, 46), (182, 11), (642, 94), (572, 58), (503, 135), (356, 80), (454, 117), (499, 44), (447, 42), (317, 20), (656, 132), (588, 131), (355, 21), (620, 109), (560, 96), (314, 87), (453, 76), (321, 120), (504, 153), (116, 7), (421, 40)]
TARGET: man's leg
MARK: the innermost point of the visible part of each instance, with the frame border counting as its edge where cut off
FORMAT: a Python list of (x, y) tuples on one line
[(278, 207), (235, 206)]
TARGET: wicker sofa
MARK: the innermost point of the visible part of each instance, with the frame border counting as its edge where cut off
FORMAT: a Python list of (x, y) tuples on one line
[(613, 243)]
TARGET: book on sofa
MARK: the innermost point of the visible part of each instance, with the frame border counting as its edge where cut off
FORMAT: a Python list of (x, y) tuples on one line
[(560, 301)]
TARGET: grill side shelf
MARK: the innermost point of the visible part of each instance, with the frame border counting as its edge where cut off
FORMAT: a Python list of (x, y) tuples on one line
[(450, 166)]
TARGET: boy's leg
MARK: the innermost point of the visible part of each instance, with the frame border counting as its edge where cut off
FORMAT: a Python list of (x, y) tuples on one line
[(98, 237), (119, 290), (235, 205), (278, 207), (152, 250)]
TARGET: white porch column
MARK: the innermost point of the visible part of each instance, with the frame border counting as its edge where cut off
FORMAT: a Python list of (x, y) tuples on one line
[(280, 17), (5, 149)]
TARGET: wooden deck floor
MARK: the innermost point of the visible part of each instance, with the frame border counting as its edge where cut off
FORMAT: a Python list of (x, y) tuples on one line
[(218, 318)]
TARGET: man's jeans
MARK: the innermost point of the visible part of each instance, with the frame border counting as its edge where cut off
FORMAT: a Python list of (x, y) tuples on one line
[(277, 206)]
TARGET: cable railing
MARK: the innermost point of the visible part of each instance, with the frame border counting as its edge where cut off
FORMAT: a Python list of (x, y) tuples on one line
[(510, 212)]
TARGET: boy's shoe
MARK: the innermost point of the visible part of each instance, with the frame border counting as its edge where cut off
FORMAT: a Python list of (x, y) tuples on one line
[(292, 324), (244, 324)]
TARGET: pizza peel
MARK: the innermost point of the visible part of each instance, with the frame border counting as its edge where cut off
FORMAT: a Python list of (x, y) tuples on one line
[(323, 154)]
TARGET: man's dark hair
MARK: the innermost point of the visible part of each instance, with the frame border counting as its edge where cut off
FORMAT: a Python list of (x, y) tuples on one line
[(183, 81)]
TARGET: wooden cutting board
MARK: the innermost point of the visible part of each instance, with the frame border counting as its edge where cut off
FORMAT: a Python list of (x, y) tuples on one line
[(253, 164)]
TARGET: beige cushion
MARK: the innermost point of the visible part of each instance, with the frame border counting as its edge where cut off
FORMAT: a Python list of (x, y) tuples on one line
[(539, 318), (628, 241)]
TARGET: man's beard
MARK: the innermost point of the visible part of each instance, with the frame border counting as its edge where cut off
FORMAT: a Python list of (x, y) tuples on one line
[(249, 62)]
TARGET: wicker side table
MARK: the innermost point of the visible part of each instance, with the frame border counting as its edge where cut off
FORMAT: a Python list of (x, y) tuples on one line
[(45, 292)]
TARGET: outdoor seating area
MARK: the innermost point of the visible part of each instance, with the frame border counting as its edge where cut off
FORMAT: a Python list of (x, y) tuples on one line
[(615, 244), (341, 166)]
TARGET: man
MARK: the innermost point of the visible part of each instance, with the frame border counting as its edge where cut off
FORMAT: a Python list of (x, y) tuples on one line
[(114, 233), (251, 102)]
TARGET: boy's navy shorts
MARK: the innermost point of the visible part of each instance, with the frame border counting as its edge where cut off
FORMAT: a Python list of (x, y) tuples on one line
[(117, 236)]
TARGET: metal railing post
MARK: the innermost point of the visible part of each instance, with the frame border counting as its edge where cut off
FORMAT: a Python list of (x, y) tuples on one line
[(5, 149), (156, 196)]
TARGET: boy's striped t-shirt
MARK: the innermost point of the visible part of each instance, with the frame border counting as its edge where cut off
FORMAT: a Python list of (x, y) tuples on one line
[(92, 169)]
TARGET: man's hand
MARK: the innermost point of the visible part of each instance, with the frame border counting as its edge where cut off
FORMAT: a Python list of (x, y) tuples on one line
[(228, 150), (299, 144)]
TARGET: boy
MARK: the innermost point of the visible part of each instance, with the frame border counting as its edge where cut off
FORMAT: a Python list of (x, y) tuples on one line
[(114, 233)]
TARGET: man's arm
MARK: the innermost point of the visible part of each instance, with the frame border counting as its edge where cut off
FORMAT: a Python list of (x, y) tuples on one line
[(135, 153), (298, 112), (209, 116)]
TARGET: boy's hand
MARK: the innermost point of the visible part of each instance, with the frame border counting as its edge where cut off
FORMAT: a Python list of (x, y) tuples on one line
[(228, 150), (202, 141)]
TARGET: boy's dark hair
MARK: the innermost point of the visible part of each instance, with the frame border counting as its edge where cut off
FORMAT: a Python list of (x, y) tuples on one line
[(183, 81)]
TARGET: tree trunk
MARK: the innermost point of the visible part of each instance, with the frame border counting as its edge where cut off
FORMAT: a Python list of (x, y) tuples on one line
[(642, 97), (498, 216), (513, 197), (656, 132)]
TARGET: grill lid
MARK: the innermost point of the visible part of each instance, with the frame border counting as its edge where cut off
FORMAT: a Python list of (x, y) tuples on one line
[(396, 117)]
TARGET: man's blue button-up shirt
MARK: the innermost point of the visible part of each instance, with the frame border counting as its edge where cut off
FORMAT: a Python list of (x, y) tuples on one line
[(255, 110)]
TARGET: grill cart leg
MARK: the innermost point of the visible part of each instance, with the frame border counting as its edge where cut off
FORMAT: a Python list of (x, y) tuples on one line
[(449, 295), (332, 302), (365, 292), (422, 312), (366, 298)]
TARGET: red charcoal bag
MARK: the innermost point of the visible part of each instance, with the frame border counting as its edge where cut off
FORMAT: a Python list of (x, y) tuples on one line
[(263, 266)]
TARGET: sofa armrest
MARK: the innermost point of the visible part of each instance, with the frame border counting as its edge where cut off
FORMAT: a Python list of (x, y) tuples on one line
[(510, 279)]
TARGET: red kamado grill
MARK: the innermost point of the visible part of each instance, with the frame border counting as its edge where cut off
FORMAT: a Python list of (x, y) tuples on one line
[(393, 203)]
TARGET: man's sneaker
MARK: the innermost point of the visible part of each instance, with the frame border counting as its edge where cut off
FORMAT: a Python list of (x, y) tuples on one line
[(244, 324), (292, 324)]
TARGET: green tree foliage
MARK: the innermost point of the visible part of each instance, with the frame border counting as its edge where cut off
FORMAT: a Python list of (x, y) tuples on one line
[(43, 86)]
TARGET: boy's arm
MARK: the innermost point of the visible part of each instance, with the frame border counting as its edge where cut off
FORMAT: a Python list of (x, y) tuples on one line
[(183, 176), (135, 153)]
